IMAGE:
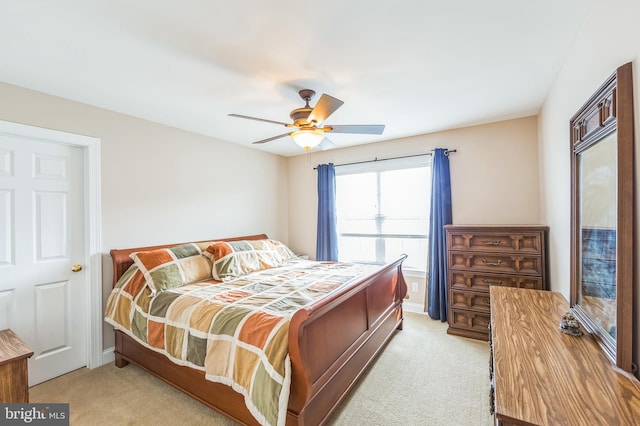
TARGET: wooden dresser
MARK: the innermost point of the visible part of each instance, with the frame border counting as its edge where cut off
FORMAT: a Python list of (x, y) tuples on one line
[(14, 378), (541, 376), (479, 257)]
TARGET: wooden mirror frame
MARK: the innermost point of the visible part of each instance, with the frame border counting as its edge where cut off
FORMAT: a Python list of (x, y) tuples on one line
[(609, 110)]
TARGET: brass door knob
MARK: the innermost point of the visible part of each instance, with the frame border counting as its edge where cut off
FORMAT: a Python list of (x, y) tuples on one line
[(76, 268)]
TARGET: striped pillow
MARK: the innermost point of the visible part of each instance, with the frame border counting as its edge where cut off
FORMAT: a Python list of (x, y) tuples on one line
[(172, 267), (235, 258)]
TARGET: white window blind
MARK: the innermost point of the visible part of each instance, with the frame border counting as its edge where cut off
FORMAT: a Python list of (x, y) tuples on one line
[(383, 211)]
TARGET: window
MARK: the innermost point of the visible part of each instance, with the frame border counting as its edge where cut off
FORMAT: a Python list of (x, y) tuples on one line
[(383, 211)]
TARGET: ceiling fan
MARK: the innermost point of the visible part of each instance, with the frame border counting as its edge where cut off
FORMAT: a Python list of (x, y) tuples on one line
[(308, 128)]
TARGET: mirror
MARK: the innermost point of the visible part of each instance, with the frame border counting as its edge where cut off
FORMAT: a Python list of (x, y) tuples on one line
[(602, 216)]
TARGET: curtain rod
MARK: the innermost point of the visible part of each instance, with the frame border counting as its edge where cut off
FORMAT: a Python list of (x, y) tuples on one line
[(446, 152)]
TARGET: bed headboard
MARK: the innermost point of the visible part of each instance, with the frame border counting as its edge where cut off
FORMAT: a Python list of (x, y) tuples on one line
[(122, 260)]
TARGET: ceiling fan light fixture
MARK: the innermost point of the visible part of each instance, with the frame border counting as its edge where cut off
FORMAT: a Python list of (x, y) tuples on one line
[(309, 122), (307, 139)]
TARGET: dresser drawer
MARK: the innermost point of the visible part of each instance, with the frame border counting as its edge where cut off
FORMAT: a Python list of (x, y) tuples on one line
[(464, 280), (469, 320), (504, 241), (469, 300), (494, 262)]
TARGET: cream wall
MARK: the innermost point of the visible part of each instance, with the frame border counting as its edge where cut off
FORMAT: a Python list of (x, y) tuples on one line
[(494, 176), (609, 38), (161, 184)]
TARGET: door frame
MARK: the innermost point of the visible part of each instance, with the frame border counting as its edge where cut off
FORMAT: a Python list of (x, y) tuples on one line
[(93, 226)]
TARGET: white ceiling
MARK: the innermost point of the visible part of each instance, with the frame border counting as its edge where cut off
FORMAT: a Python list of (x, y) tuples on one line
[(417, 66)]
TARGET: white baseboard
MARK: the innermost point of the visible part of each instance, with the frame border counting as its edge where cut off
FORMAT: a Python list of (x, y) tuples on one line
[(108, 355), (414, 274), (413, 307)]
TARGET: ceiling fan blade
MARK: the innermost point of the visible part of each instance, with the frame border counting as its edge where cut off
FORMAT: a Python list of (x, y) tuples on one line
[(325, 106), (259, 119), (272, 138), (326, 144), (368, 129)]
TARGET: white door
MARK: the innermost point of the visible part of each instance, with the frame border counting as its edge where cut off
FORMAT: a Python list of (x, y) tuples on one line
[(42, 235)]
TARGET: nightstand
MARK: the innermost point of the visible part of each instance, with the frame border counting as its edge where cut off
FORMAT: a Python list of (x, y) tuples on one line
[(14, 376)]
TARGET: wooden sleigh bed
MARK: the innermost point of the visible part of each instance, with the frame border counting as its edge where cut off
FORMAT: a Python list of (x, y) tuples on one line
[(330, 343)]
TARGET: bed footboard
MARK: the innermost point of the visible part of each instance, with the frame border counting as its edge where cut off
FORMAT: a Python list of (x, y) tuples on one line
[(333, 342)]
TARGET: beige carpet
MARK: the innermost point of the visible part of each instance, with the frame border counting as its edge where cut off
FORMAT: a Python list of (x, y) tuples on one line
[(423, 377)]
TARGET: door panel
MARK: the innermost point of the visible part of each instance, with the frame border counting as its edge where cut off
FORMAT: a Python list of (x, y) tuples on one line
[(42, 225), (50, 223), (7, 297), (6, 225), (51, 307), (6, 163)]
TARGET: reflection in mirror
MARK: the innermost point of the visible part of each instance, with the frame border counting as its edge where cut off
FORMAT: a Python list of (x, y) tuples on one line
[(598, 180)]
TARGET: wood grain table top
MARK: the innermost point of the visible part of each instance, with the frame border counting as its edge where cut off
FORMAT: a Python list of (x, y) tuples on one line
[(545, 377), (12, 348)]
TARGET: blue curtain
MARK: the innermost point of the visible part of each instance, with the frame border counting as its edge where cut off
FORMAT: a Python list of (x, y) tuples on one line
[(327, 237), (440, 215)]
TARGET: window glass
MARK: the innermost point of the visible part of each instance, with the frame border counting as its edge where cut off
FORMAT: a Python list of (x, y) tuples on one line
[(355, 201), (383, 211)]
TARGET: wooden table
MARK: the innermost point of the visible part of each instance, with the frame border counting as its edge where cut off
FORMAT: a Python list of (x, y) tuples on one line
[(14, 377), (544, 377)]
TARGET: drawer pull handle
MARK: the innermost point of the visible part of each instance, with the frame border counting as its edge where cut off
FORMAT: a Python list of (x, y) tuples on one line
[(486, 301), (492, 282), (491, 242), (492, 262)]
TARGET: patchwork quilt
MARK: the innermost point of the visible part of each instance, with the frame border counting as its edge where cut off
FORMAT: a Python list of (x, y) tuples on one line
[(235, 331)]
